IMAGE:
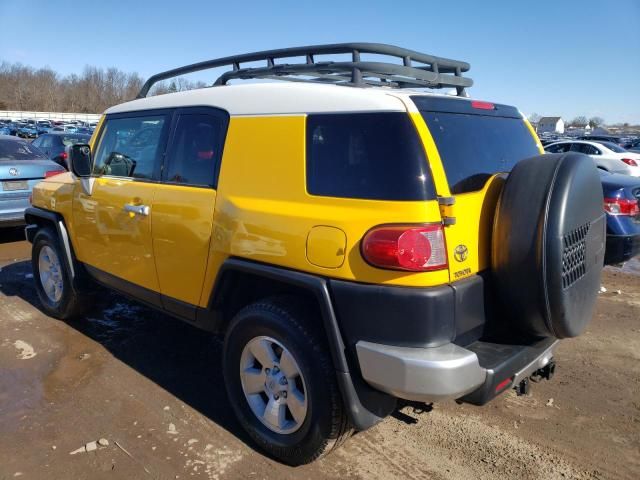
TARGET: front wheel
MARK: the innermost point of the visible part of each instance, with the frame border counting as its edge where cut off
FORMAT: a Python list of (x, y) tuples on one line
[(57, 296), (281, 382)]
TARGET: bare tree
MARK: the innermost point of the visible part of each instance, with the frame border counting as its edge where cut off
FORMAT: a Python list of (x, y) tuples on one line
[(534, 118), (595, 122), (92, 91), (580, 121)]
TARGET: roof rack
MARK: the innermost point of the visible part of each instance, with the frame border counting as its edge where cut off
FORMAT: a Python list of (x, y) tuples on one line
[(427, 72)]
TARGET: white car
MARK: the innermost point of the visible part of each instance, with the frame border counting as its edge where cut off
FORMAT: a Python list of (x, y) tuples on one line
[(606, 155)]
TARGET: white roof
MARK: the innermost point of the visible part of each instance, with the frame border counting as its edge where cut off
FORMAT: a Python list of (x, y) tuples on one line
[(278, 98)]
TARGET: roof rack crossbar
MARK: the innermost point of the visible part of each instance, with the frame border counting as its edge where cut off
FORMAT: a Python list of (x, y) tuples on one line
[(415, 69)]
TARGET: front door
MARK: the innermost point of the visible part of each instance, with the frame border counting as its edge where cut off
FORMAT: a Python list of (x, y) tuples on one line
[(183, 206), (113, 223)]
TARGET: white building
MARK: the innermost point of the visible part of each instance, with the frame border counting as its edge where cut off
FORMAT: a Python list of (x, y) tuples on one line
[(551, 125)]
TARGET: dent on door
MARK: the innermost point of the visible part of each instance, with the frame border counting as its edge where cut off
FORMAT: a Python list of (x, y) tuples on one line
[(326, 246)]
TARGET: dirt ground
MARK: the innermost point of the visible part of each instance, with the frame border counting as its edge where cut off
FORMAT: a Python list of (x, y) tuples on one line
[(152, 387)]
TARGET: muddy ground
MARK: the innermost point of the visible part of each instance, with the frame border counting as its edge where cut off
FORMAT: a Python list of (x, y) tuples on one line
[(152, 387)]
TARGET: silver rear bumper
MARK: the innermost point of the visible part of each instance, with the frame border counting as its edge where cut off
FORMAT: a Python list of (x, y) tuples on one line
[(431, 374)]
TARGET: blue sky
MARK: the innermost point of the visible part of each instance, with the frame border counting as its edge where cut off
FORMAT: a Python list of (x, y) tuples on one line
[(572, 57)]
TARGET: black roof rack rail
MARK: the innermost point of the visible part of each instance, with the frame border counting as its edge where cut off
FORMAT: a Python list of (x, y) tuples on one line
[(428, 71)]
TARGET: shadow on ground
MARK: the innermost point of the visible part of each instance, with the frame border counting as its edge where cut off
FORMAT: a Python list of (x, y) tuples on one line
[(181, 359)]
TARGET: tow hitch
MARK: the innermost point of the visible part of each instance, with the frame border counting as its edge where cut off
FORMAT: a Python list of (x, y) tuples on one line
[(545, 372)]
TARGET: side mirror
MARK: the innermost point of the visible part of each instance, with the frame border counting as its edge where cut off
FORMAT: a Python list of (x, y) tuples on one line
[(79, 158)]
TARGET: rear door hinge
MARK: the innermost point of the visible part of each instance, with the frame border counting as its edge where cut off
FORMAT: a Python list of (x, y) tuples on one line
[(446, 205)]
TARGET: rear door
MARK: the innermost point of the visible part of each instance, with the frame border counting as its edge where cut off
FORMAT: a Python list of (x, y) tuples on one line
[(475, 142), (183, 206), (113, 224)]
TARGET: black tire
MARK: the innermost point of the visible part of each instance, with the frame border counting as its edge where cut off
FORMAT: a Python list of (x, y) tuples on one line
[(326, 425), (71, 304), (548, 244)]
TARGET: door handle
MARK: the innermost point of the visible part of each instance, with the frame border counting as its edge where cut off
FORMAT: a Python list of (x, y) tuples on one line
[(137, 209)]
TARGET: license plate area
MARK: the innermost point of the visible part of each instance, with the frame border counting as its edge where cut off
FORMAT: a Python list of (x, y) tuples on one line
[(14, 185)]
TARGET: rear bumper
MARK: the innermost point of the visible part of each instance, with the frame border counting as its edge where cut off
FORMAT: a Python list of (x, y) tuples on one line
[(620, 248), (431, 344), (451, 371)]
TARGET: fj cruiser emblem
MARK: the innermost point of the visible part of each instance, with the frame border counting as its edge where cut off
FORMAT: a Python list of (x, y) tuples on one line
[(14, 172), (461, 253)]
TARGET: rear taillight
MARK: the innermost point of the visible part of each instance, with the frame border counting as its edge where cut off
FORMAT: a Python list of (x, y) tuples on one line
[(415, 248), (630, 161), (63, 155), (621, 206), (483, 105), (51, 173)]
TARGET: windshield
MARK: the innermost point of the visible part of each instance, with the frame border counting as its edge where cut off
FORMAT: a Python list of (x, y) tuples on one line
[(19, 150), (613, 147), (474, 147)]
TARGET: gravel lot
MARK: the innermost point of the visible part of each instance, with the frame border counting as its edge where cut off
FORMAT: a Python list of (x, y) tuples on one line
[(152, 387)]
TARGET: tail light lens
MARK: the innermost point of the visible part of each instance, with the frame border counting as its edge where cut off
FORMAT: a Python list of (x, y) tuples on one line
[(63, 155), (51, 173), (630, 161), (414, 248), (621, 206)]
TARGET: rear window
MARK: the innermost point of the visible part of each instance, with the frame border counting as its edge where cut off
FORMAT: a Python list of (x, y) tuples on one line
[(73, 139), (19, 150), (376, 156), (474, 146)]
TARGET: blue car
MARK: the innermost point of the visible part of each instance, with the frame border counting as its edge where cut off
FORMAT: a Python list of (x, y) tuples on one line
[(622, 206), (28, 131), (21, 166)]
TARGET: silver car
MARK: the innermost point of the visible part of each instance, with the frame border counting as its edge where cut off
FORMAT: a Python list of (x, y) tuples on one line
[(606, 155)]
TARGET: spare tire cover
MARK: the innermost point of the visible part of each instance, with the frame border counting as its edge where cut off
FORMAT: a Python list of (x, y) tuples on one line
[(548, 244)]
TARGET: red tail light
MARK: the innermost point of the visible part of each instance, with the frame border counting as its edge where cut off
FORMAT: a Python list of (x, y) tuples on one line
[(51, 173), (63, 155), (621, 206), (630, 161), (483, 105), (415, 248)]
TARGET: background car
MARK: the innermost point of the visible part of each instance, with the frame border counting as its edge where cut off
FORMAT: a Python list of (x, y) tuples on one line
[(606, 155), (633, 145), (21, 166), (622, 207), (617, 139), (53, 144), (28, 131)]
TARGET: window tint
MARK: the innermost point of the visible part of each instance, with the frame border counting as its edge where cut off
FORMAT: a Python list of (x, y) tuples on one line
[(560, 148), (585, 148), (474, 147), (130, 147), (196, 149), (366, 155), (613, 147)]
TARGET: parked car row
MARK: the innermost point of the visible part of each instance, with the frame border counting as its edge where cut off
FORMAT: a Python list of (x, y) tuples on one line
[(620, 169), (34, 128)]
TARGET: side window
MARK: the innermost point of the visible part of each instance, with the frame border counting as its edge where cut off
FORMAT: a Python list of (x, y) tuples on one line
[(376, 156), (585, 148), (130, 147), (196, 149), (553, 148)]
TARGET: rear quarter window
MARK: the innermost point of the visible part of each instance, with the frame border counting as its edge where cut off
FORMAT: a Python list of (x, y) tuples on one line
[(376, 156)]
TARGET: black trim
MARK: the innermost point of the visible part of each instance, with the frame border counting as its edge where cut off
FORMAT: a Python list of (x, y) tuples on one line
[(411, 316), (196, 316)]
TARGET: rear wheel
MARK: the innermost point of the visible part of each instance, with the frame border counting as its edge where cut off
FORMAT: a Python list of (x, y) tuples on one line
[(53, 285), (281, 383)]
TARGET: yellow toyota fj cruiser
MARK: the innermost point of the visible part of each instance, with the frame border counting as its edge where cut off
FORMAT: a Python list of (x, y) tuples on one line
[(356, 239)]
